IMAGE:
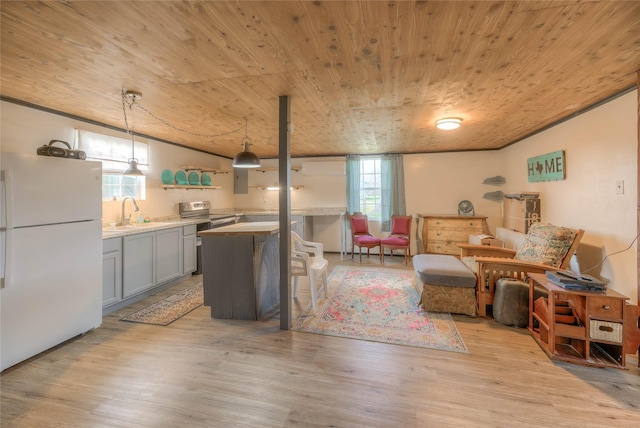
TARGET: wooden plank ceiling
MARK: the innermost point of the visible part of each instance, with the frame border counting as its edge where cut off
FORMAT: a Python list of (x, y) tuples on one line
[(364, 76)]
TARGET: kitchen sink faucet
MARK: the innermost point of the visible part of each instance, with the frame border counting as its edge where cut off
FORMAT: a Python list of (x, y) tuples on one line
[(135, 208)]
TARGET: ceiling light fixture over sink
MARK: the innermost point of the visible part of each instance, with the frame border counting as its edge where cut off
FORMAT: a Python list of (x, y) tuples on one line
[(246, 158), (448, 123), (130, 97)]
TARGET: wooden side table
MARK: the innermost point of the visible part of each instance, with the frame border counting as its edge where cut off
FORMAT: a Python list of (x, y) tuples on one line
[(581, 327)]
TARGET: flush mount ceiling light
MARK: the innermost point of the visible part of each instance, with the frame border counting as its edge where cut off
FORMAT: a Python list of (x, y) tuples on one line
[(246, 158), (448, 123), (130, 97)]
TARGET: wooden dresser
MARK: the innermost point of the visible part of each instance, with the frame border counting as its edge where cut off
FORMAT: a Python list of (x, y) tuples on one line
[(441, 234)]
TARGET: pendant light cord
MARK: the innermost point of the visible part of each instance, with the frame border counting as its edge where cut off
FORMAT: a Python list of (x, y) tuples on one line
[(124, 110), (126, 122), (133, 102)]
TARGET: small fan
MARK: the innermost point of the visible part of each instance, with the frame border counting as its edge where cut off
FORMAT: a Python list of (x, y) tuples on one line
[(465, 208)]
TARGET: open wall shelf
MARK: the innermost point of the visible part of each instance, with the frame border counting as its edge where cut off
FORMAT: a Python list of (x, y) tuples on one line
[(293, 168), (272, 187), (188, 187), (205, 169)]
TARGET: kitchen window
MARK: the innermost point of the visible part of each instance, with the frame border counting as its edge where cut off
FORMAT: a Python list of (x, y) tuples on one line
[(114, 153)]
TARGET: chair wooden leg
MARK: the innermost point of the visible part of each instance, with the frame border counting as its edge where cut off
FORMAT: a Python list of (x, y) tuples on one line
[(482, 304)]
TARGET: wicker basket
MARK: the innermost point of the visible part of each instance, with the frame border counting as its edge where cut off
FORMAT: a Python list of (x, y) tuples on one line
[(604, 330)]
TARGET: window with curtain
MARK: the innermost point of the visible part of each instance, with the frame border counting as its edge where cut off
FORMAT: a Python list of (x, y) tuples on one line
[(114, 153), (375, 186)]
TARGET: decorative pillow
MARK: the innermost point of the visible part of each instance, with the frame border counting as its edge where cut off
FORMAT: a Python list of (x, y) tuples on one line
[(546, 244)]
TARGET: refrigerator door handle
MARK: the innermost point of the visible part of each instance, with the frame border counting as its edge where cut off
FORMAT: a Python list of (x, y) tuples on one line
[(4, 237), (4, 233)]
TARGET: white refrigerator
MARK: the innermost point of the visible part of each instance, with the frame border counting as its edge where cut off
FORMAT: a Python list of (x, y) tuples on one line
[(51, 253)]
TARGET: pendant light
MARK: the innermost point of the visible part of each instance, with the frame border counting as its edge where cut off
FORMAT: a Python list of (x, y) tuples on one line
[(246, 158), (133, 162)]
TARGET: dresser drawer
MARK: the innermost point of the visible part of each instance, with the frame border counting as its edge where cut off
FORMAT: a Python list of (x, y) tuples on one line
[(443, 247), (457, 223), (602, 307), (448, 235)]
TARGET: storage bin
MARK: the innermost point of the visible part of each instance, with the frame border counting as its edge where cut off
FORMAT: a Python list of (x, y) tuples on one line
[(604, 330)]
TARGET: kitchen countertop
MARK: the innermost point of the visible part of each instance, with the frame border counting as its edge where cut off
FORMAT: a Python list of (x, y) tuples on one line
[(135, 228), (320, 211), (169, 222), (251, 228)]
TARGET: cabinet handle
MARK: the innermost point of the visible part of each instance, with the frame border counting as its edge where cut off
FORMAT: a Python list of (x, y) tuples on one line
[(606, 307)]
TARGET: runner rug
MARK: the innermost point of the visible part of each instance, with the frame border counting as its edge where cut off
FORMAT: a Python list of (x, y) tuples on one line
[(380, 305), (170, 308)]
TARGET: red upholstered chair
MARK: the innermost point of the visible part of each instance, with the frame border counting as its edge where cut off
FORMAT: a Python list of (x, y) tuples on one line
[(400, 237), (360, 235)]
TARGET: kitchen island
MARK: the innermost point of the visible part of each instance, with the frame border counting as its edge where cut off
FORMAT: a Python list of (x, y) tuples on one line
[(241, 270)]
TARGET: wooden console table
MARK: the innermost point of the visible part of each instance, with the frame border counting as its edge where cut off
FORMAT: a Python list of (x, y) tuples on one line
[(441, 234), (581, 327)]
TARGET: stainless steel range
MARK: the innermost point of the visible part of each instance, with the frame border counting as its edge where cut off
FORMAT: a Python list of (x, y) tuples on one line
[(202, 210)]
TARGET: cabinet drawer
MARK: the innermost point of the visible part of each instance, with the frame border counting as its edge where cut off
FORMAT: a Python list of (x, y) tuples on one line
[(111, 244), (443, 247), (448, 235), (447, 223), (189, 230), (602, 307)]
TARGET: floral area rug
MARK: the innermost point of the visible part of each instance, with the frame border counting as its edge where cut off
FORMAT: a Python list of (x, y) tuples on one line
[(170, 308), (380, 305)]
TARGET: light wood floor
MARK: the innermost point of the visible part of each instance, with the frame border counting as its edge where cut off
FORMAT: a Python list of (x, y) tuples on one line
[(201, 372)]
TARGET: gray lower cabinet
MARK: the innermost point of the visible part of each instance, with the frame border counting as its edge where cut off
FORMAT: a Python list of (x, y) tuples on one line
[(111, 271), (190, 242), (139, 263), (169, 261)]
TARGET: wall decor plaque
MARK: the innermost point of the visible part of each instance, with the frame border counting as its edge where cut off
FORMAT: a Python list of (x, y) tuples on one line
[(549, 167)]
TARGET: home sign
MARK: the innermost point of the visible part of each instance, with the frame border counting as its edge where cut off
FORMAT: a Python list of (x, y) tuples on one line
[(549, 167)]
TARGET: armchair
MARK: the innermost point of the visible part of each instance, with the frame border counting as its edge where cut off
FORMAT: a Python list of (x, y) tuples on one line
[(400, 237), (546, 247), (360, 236)]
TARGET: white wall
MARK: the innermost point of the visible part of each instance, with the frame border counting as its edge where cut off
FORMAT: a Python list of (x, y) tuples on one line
[(25, 129), (436, 183), (600, 148), (316, 191)]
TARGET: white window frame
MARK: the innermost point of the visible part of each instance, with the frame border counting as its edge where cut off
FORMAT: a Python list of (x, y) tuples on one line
[(114, 153), (371, 187)]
